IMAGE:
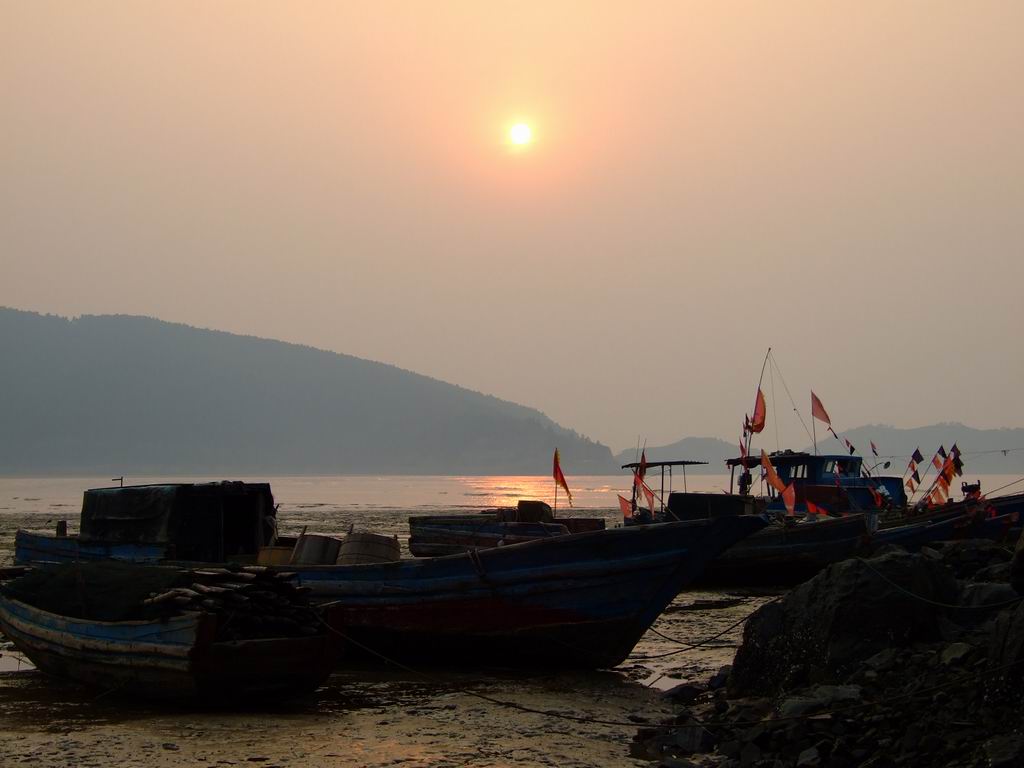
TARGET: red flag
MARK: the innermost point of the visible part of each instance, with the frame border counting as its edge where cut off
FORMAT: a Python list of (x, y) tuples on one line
[(876, 496), (743, 449), (627, 508), (650, 496), (789, 498), (812, 508), (760, 411), (935, 462), (642, 471), (910, 485), (773, 477), (818, 410), (556, 472)]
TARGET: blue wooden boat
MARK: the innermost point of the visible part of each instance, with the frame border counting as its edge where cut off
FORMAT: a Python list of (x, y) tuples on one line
[(568, 601), (432, 535), (194, 522), (170, 657), (789, 551)]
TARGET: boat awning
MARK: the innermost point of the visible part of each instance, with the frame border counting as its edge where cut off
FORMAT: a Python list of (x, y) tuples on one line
[(650, 464)]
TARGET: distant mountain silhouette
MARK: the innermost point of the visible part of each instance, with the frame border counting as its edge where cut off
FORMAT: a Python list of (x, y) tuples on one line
[(983, 449), (120, 394), (709, 449)]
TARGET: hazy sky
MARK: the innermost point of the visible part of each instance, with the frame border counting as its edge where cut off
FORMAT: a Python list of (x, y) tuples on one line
[(841, 181)]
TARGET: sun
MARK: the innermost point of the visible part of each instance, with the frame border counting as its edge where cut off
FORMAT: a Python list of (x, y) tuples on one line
[(520, 134)]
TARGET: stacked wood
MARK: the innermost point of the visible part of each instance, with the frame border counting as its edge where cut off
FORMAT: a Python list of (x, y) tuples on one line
[(250, 602)]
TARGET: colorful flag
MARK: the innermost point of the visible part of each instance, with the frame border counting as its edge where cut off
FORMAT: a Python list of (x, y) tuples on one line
[(743, 449), (627, 508), (958, 465), (910, 485), (917, 477), (772, 475), (789, 499), (760, 412), (850, 446), (874, 448), (650, 496), (954, 450), (818, 410), (942, 451), (556, 472), (936, 462), (815, 509), (917, 455)]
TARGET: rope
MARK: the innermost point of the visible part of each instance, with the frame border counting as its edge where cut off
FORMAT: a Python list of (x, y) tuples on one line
[(796, 410), (468, 692), (929, 601), (705, 641), (706, 724)]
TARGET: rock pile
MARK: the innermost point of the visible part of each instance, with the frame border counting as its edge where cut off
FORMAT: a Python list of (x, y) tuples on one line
[(874, 662)]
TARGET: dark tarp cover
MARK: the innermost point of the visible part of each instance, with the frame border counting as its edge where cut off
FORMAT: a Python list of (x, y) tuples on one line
[(142, 513), (100, 591)]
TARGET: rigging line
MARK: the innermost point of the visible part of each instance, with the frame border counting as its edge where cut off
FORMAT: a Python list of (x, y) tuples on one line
[(1019, 480), (706, 640), (796, 410), (631, 724), (929, 601), (469, 692), (775, 410)]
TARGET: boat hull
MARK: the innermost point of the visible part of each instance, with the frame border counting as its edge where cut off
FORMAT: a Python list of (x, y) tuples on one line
[(785, 555), (174, 658), (570, 601)]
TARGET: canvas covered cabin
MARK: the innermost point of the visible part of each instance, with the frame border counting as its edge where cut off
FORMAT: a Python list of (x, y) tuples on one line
[(834, 482), (201, 522)]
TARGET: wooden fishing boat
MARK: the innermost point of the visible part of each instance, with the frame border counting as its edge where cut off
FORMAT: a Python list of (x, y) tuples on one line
[(194, 522), (567, 601), (432, 535), (789, 552), (180, 656)]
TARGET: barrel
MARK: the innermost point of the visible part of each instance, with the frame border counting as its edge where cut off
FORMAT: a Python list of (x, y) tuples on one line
[(274, 555), (314, 549), (361, 548)]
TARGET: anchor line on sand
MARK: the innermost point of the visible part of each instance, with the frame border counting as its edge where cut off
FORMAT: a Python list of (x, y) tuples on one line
[(967, 678)]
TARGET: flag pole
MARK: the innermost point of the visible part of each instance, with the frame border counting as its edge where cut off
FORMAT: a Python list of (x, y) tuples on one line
[(814, 430)]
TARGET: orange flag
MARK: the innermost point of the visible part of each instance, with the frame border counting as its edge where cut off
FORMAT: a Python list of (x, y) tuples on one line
[(773, 477), (760, 411), (627, 508), (818, 410), (556, 472), (789, 498)]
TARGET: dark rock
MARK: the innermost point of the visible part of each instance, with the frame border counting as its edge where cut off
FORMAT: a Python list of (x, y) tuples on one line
[(686, 693), (809, 758), (749, 755), (999, 572), (954, 653), (819, 698), (846, 613), (1005, 751), (729, 748), (720, 678)]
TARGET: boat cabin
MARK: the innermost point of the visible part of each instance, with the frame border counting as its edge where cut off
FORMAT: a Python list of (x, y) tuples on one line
[(833, 482), (207, 522)]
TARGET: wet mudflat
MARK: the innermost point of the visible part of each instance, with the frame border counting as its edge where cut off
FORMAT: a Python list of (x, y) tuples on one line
[(372, 716), (378, 716)]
